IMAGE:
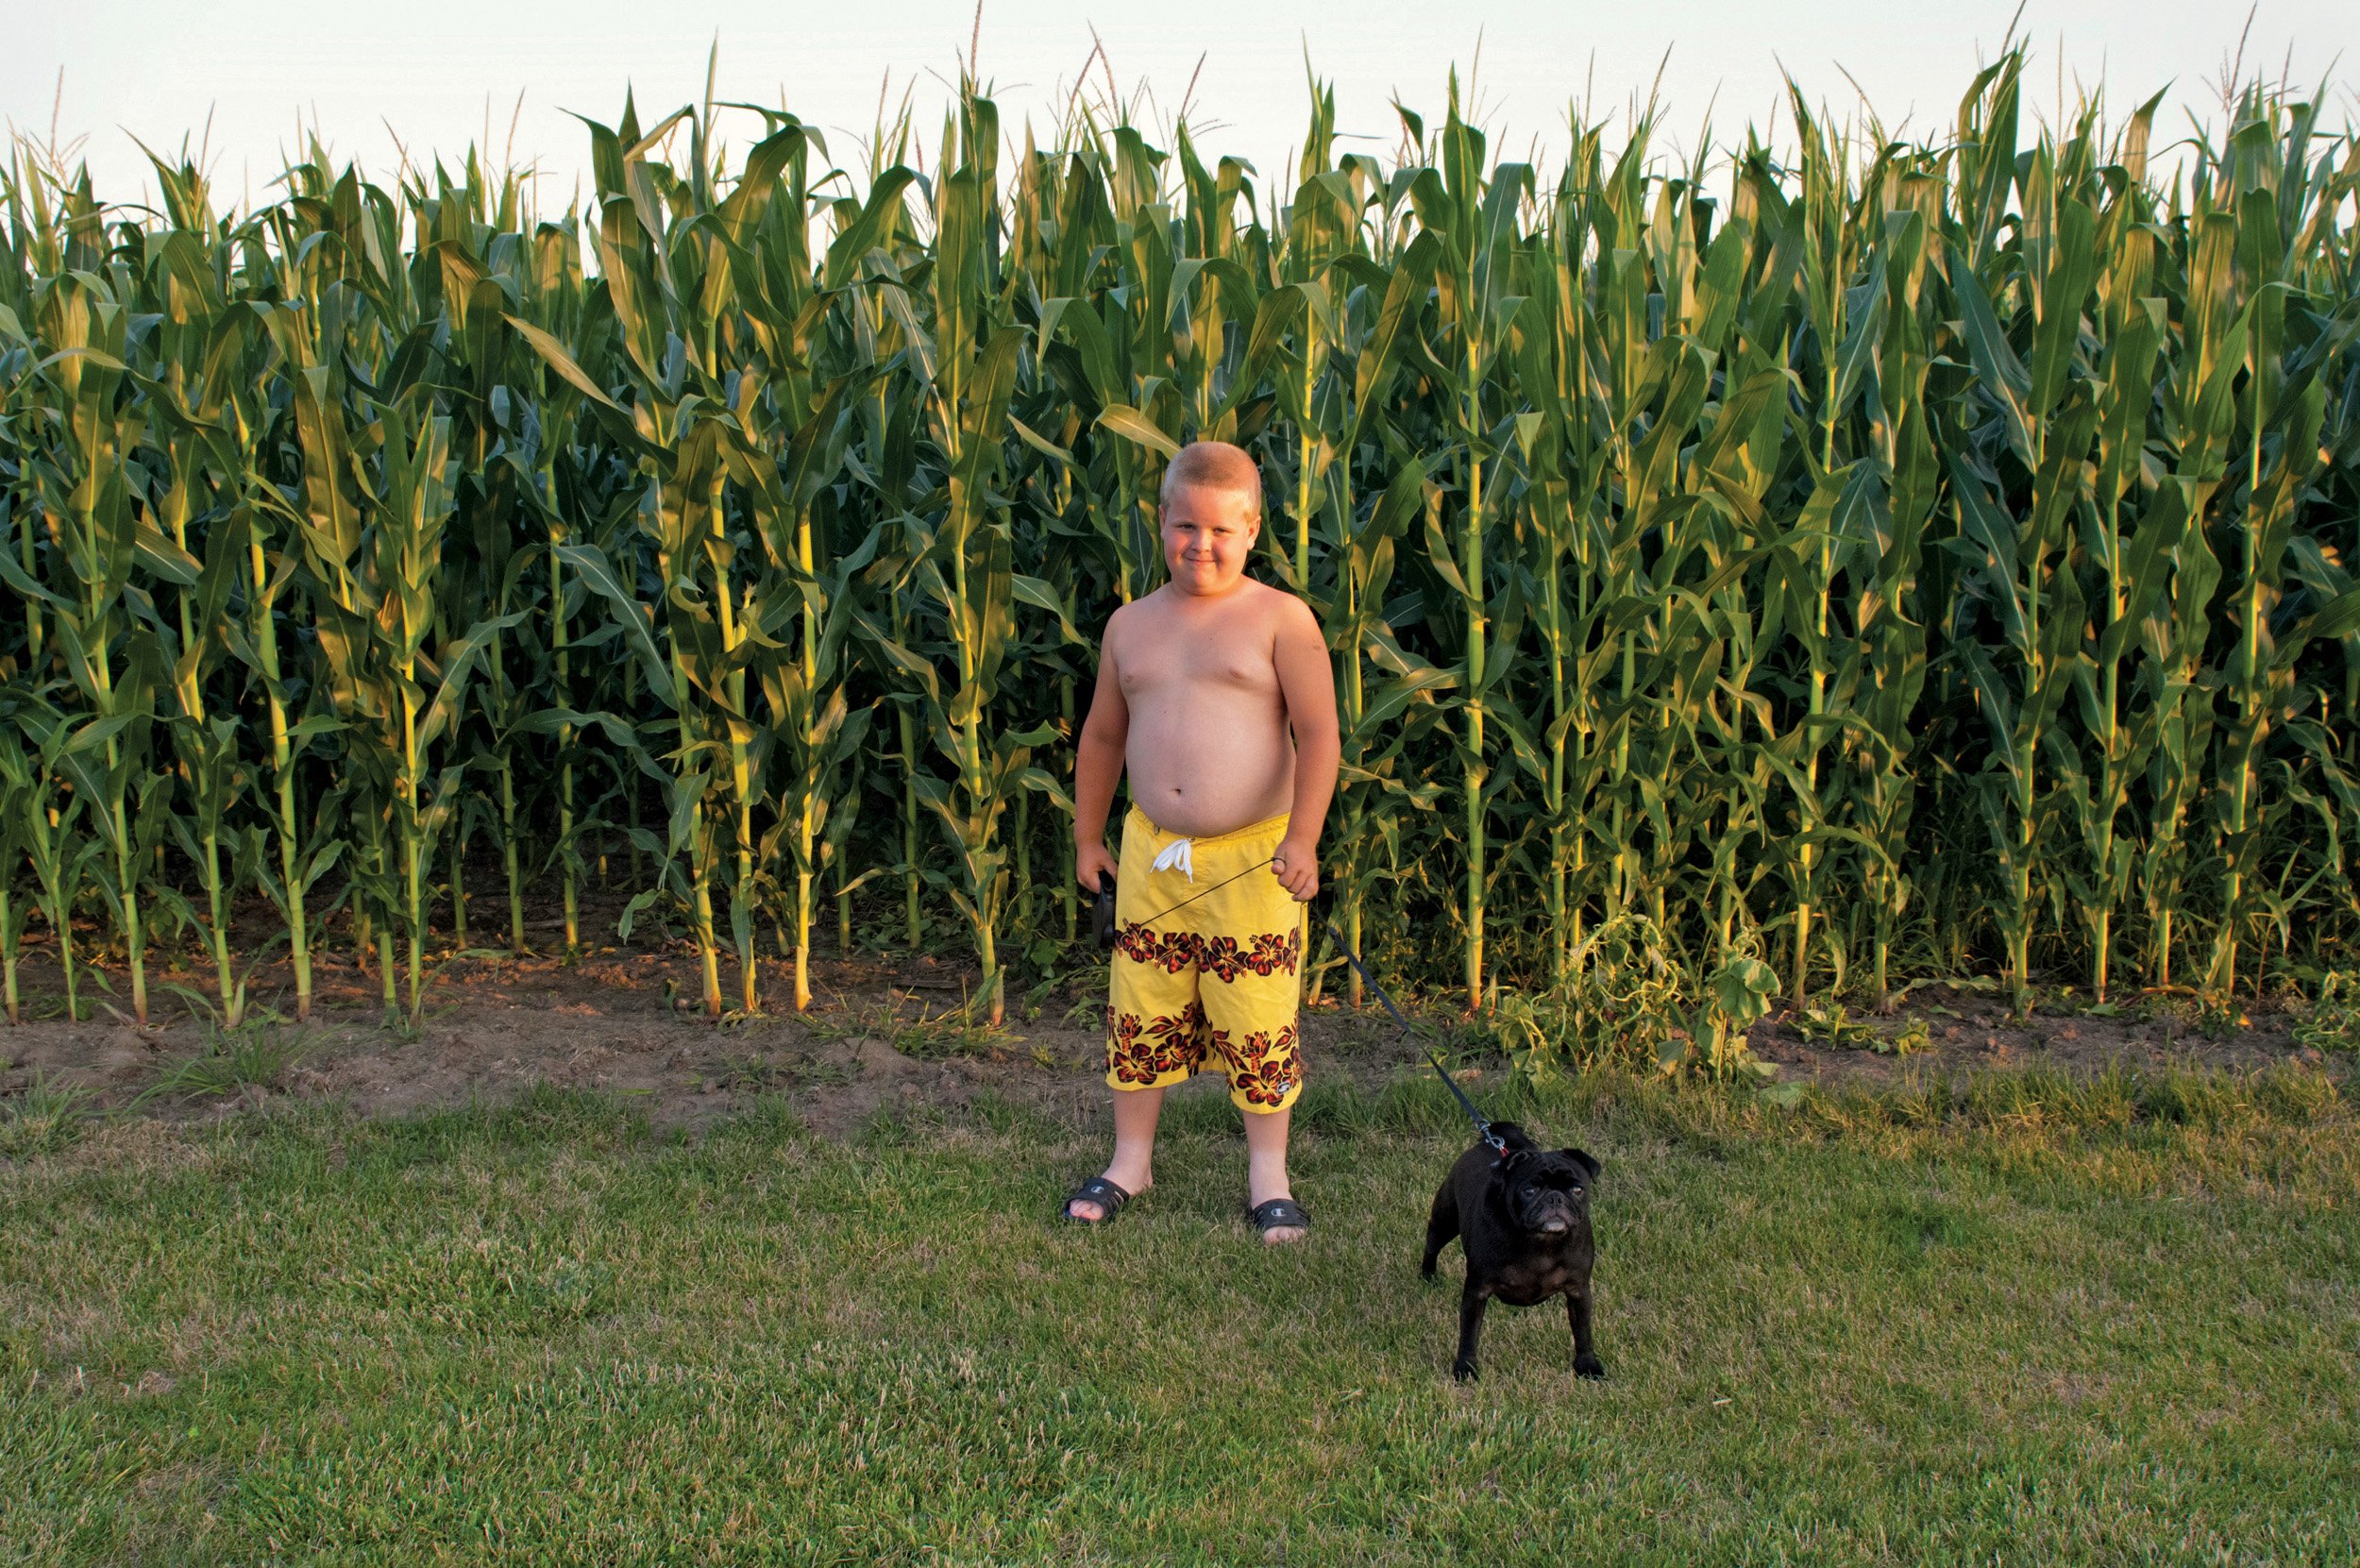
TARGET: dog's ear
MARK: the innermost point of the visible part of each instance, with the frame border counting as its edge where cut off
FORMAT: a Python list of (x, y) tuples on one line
[(1584, 1159)]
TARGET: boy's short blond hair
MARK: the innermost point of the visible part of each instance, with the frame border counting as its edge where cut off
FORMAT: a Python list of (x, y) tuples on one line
[(1215, 465)]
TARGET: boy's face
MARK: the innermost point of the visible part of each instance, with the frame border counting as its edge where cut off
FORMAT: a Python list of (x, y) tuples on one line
[(1207, 535)]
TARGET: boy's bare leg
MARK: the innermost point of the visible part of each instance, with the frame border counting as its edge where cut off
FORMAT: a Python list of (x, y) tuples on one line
[(1266, 1167), (1132, 1168)]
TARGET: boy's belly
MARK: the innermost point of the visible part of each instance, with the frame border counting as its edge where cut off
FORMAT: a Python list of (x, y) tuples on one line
[(1209, 763)]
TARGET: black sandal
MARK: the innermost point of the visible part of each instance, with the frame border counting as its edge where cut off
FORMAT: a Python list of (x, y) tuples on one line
[(1277, 1214), (1098, 1189)]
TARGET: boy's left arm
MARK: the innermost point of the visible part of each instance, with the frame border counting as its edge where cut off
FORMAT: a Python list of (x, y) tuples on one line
[(1307, 684)]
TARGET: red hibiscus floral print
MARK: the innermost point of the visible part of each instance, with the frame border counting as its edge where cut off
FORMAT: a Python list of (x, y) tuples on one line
[(1170, 952), (1264, 954), (1263, 1067), (1276, 953), (1124, 1057), (1143, 1049)]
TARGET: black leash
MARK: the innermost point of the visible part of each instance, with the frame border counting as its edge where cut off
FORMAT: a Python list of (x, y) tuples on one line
[(1483, 1128), (1107, 936)]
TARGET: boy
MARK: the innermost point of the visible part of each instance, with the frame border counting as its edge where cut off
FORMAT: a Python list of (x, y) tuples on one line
[(1199, 685)]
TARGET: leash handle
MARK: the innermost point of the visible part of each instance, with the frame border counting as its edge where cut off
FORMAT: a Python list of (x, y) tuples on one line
[(1105, 912), (1483, 1128)]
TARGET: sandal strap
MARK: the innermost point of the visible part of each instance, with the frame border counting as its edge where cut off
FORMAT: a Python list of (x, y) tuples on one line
[(1274, 1213), (1108, 1196)]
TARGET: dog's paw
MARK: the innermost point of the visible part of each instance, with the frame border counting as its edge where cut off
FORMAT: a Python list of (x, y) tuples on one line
[(1589, 1366), (1463, 1372), (1426, 1269)]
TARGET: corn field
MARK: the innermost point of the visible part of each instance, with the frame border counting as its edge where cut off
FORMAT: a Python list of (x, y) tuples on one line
[(1888, 559)]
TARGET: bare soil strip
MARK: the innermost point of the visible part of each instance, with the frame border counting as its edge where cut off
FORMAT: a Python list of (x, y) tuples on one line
[(888, 1033)]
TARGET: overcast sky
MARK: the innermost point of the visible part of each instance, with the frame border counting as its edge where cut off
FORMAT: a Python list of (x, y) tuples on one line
[(437, 72)]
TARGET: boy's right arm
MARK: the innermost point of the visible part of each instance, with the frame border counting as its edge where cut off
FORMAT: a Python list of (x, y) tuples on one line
[(1097, 767)]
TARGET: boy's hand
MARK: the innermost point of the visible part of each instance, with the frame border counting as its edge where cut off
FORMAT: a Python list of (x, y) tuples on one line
[(1296, 865), (1089, 860)]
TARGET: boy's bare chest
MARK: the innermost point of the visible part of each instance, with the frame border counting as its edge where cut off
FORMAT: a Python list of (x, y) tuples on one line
[(1230, 656)]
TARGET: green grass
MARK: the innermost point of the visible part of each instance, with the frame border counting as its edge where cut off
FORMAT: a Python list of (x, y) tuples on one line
[(2007, 1320)]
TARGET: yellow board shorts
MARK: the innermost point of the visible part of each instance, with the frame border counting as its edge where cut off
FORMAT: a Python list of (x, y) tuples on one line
[(1216, 977)]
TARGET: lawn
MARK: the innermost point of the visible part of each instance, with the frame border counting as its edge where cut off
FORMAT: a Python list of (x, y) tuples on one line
[(2017, 1318)]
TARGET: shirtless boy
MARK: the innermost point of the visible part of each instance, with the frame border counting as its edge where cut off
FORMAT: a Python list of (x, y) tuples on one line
[(1215, 693)]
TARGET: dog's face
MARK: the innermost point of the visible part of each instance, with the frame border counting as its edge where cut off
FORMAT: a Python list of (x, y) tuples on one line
[(1548, 1190)]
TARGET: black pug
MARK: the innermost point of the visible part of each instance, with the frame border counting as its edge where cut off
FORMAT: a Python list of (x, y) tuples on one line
[(1523, 1219)]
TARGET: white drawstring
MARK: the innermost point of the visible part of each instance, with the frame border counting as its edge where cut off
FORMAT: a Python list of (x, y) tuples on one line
[(1177, 854)]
